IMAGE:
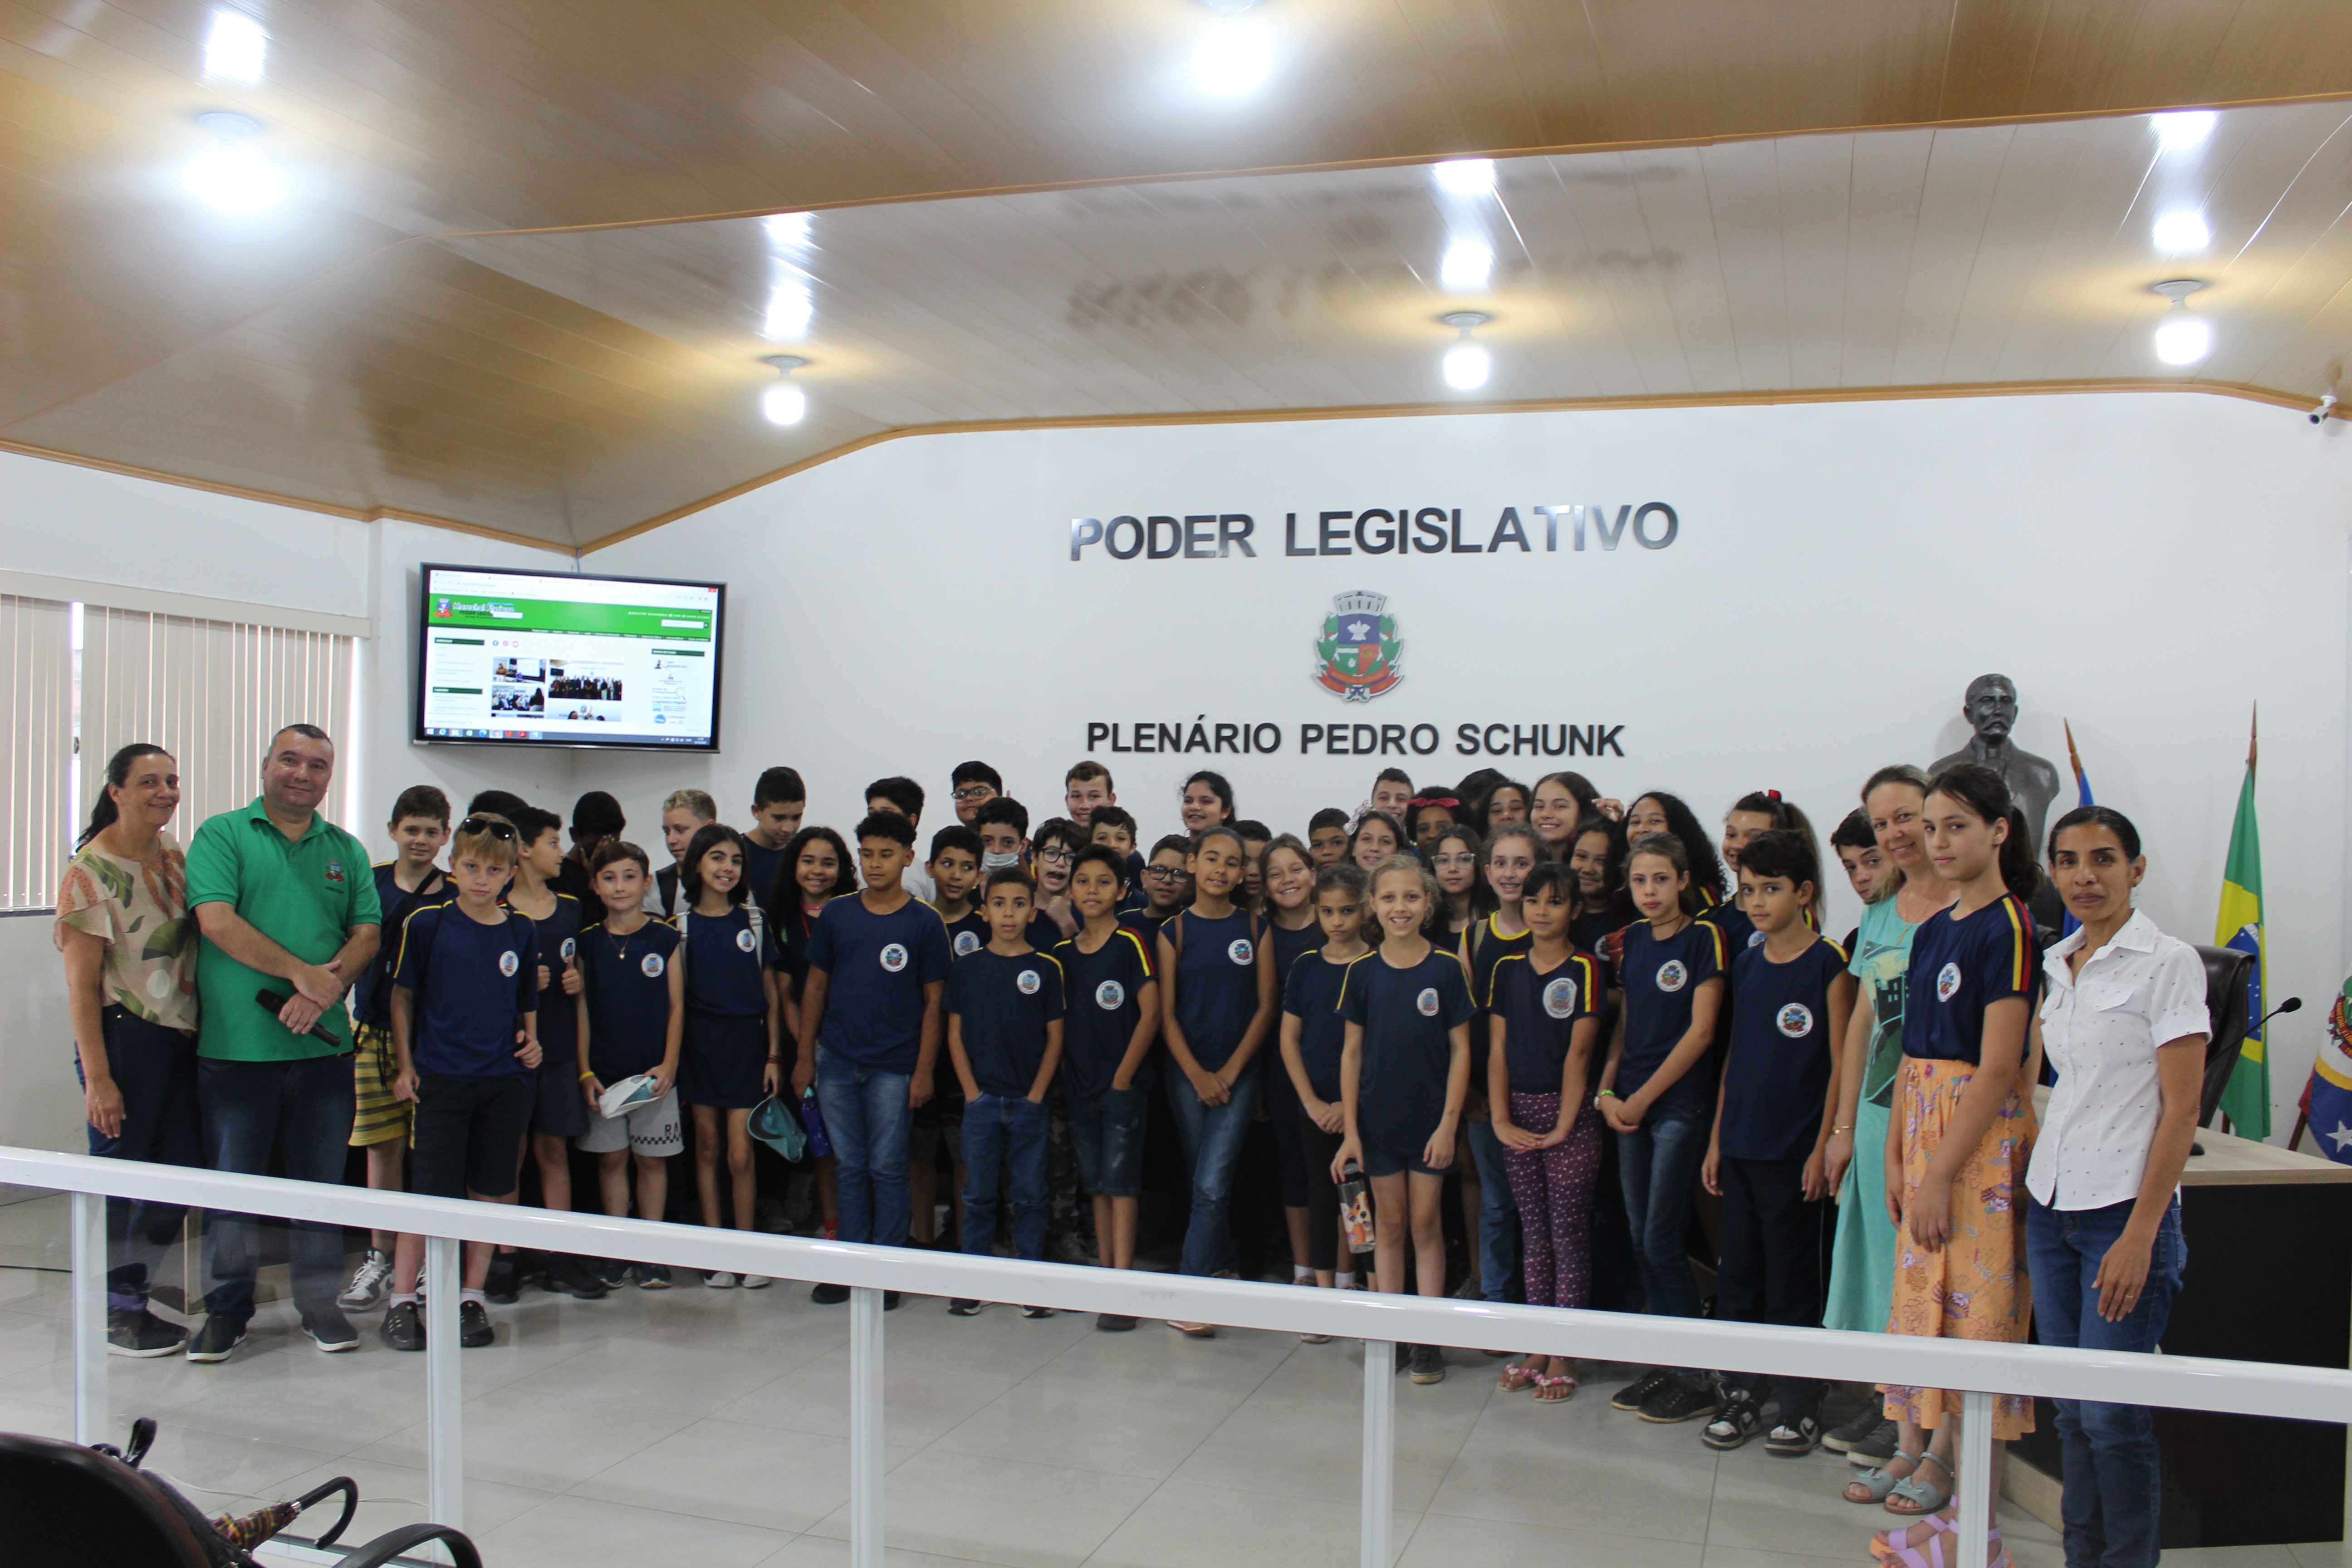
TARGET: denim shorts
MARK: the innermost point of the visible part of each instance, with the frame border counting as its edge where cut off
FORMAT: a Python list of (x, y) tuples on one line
[(1107, 1131)]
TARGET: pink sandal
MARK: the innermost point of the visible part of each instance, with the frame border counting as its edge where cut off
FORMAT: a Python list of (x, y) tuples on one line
[(1516, 1377), (1889, 1555), (1545, 1384)]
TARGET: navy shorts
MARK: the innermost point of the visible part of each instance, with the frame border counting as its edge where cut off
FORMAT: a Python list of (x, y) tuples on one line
[(469, 1135), (1379, 1160), (557, 1108), (1107, 1131)]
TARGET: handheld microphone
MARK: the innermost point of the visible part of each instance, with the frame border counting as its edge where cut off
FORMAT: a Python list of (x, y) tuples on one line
[(278, 1003)]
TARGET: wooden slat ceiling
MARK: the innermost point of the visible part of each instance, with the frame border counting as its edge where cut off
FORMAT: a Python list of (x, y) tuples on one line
[(345, 351)]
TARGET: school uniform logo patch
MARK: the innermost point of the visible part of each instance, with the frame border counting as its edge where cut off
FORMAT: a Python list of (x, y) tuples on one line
[(652, 966), (1673, 975), (893, 957), (745, 940), (1948, 980), (966, 944), (335, 872), (1427, 1002), (1110, 996), (1796, 1020), (571, 946), (1560, 998), (1358, 651), (1754, 936), (508, 962), (1027, 982), (1241, 951)]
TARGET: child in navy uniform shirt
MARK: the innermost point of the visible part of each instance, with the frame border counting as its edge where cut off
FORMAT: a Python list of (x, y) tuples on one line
[(465, 1006), (1657, 1095), (870, 1011), (556, 1116), (1314, 1038), (1404, 1074), (1114, 1016), (632, 1013), (1791, 998), (735, 1000), (1004, 1006)]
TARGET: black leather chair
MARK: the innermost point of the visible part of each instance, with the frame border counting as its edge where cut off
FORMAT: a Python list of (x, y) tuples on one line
[(62, 1503), (2225, 1005)]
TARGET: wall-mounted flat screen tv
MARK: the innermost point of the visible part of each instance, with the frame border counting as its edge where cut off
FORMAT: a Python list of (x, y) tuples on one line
[(556, 658)]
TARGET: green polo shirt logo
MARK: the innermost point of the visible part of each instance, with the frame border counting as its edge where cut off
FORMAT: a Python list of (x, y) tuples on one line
[(297, 893)]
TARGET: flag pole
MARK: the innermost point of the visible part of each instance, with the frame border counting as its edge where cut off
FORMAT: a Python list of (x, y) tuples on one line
[(2073, 758)]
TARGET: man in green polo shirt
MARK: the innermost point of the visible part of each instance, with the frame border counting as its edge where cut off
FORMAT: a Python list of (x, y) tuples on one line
[(288, 907)]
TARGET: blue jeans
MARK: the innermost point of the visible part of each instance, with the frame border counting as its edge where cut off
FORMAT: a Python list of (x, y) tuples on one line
[(1498, 1214), (1005, 1131), (155, 1070), (1212, 1136), (1108, 1132), (868, 1118), (2112, 1470), (1657, 1166), (303, 1109)]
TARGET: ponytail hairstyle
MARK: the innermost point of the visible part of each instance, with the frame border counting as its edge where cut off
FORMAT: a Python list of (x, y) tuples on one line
[(1525, 830), (1404, 842), (1217, 786), (1785, 818), (103, 811), (1894, 772), (1697, 848), (2105, 817), (1344, 874), (1670, 849), (1214, 830), (1986, 796)]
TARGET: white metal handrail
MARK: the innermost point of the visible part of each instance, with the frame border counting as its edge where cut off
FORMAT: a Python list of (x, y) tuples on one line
[(2254, 1388)]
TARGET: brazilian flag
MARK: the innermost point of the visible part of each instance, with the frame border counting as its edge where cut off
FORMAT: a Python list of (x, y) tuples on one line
[(2246, 1097)]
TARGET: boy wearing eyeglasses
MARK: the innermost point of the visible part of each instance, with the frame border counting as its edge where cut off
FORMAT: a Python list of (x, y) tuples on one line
[(464, 1023), (1167, 885), (1052, 855), (975, 783)]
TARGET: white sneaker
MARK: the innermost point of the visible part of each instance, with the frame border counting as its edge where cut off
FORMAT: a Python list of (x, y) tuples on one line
[(756, 1282), (721, 1280), (366, 1288)]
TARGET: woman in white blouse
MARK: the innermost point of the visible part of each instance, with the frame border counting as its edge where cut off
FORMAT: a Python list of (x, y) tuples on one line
[(2124, 1025)]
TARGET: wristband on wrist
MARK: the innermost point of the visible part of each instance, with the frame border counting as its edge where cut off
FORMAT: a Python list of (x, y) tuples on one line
[(586, 1076), (1606, 1094), (1847, 1128), (775, 1061)]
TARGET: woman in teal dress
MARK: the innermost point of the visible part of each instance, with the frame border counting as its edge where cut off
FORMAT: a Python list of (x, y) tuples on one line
[(1861, 1266)]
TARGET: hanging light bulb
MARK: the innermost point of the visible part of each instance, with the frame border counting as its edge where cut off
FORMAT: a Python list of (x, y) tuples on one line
[(784, 403), (2182, 338), (1466, 364), (1235, 57)]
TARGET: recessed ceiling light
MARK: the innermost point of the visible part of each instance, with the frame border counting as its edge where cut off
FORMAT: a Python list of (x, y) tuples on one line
[(1466, 176), (1468, 263), (2183, 129), (1233, 60), (784, 403), (231, 180), (2181, 232), (2182, 338), (1466, 364), (236, 49)]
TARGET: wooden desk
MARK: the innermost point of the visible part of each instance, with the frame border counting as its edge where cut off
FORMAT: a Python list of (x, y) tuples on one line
[(2270, 1279)]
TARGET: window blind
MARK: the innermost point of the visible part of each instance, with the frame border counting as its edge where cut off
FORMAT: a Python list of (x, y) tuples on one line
[(37, 684)]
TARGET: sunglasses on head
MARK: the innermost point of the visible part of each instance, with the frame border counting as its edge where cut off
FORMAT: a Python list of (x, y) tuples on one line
[(491, 826)]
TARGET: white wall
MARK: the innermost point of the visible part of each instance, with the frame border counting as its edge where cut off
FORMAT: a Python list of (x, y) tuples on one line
[(2146, 566)]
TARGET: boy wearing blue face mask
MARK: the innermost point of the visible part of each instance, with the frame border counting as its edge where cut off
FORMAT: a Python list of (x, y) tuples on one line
[(1003, 824)]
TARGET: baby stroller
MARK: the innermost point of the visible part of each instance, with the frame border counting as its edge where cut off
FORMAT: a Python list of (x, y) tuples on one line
[(66, 1503)]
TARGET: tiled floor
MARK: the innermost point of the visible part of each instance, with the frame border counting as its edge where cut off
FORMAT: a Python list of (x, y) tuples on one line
[(709, 1427)]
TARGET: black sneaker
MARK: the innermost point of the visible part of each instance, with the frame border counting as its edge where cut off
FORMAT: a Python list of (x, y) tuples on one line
[(613, 1273), (330, 1330), (1740, 1419), (1037, 1312), (1682, 1399), (140, 1332), (369, 1282), (404, 1326), (963, 1306), (830, 1295), (474, 1329), (1842, 1437), (1793, 1440), (1879, 1448), (217, 1338), (1428, 1364), (1114, 1323), (569, 1276), (653, 1276), (504, 1282), (1636, 1394)]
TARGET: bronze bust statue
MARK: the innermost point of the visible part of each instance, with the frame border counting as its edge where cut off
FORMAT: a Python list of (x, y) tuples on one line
[(1990, 708)]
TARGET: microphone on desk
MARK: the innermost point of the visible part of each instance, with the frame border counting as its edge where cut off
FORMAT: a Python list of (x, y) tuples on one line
[(2291, 1005)]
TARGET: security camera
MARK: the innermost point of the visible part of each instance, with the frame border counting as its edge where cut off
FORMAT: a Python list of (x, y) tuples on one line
[(2319, 415)]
